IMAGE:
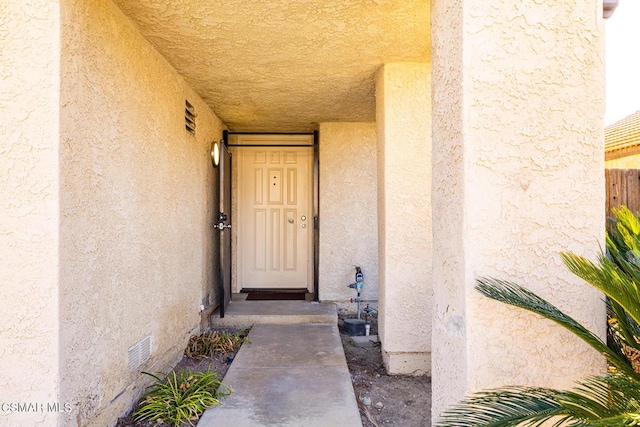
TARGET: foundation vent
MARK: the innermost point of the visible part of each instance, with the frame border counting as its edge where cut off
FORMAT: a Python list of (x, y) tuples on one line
[(189, 117), (139, 353)]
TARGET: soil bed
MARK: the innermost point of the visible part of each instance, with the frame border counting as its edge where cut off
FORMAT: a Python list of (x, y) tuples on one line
[(396, 400)]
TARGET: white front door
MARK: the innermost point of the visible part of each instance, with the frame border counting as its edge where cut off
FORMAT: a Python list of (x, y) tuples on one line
[(275, 229)]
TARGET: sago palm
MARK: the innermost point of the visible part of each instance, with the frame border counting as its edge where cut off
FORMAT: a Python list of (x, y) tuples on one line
[(605, 401)]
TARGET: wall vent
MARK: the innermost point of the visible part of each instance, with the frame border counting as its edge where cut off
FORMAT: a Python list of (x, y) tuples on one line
[(139, 353), (189, 117)]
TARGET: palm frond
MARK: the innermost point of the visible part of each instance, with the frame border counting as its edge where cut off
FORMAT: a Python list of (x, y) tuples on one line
[(625, 329), (592, 399), (626, 227), (514, 294), (622, 420), (626, 261), (506, 407), (615, 338), (613, 398), (607, 278)]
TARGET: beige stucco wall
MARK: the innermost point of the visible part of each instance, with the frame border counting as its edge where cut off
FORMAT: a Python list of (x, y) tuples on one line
[(517, 179), (136, 210), (348, 211), (629, 162), (29, 111), (403, 111)]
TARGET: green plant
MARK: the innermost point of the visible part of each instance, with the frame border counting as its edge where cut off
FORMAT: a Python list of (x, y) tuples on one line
[(210, 343), (604, 401), (181, 396)]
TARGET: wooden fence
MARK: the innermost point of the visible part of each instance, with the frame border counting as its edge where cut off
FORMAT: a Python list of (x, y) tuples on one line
[(623, 188)]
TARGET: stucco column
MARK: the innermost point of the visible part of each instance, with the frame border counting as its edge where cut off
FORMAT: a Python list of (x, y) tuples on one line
[(403, 108), (518, 178), (29, 206)]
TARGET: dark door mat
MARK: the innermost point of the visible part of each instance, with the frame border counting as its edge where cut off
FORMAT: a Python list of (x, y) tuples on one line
[(271, 296)]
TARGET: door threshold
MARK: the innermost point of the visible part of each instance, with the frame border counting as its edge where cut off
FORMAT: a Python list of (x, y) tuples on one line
[(273, 295), (291, 290)]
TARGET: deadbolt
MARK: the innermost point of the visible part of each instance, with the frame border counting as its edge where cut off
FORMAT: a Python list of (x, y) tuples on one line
[(304, 225), (303, 217)]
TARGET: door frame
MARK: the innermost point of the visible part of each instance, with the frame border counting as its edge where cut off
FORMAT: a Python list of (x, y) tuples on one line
[(222, 226), (315, 190)]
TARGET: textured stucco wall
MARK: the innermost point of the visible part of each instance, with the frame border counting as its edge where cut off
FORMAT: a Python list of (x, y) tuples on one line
[(136, 210), (29, 111), (518, 177), (449, 329), (348, 210), (629, 162), (403, 111)]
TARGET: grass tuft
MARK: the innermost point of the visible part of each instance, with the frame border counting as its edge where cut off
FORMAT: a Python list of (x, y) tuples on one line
[(181, 397)]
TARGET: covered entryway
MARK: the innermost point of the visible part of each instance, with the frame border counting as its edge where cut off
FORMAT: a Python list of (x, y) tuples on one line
[(109, 202)]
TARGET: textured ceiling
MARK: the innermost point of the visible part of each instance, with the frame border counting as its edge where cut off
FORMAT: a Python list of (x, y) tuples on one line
[(284, 65)]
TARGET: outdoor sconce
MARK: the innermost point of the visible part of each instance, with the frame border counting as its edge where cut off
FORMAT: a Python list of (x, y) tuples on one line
[(215, 153)]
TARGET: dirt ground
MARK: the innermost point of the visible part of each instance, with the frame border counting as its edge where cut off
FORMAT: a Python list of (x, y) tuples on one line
[(402, 401), (395, 400)]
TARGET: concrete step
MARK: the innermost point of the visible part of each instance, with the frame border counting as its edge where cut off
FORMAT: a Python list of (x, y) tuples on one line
[(248, 313)]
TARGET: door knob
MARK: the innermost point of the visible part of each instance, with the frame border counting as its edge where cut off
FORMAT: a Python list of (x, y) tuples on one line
[(221, 226)]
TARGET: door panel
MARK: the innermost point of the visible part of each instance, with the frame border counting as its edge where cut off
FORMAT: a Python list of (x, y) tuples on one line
[(274, 210)]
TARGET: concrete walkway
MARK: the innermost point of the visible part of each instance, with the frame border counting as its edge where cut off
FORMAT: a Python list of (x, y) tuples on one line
[(289, 375)]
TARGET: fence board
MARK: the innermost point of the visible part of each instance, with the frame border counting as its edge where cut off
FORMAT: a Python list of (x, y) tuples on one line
[(622, 188), (607, 200), (633, 189)]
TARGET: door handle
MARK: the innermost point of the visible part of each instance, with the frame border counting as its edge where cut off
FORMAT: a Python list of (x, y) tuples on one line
[(221, 226)]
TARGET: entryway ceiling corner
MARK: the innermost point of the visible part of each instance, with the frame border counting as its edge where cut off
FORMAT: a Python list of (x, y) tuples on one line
[(284, 65)]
